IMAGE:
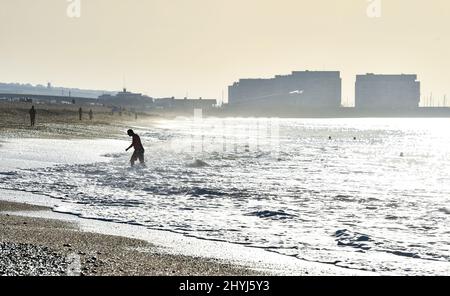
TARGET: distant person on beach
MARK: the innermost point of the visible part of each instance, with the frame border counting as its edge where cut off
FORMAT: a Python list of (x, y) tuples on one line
[(138, 148), (91, 114), (135, 116), (33, 116), (80, 113)]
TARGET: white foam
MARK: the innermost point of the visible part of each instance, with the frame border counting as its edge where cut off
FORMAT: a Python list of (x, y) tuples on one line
[(35, 153), (172, 243)]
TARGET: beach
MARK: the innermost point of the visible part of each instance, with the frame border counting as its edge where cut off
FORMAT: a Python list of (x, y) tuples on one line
[(57, 121), (38, 246), (35, 240), (267, 138), (34, 246), (34, 222), (240, 195), (225, 190)]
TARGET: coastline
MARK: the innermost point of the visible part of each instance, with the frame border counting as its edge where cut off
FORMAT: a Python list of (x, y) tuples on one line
[(47, 241), (108, 248), (42, 246), (216, 258)]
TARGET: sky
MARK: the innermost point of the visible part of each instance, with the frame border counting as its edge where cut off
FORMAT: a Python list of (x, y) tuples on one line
[(199, 47)]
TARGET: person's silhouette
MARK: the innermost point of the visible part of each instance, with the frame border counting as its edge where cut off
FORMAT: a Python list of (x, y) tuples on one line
[(32, 116), (138, 148), (91, 114), (80, 113)]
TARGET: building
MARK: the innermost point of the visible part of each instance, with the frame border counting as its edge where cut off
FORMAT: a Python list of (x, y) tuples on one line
[(126, 98), (186, 104), (300, 89), (387, 92)]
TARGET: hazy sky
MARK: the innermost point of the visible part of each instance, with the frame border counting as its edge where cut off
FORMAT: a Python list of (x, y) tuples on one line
[(171, 47)]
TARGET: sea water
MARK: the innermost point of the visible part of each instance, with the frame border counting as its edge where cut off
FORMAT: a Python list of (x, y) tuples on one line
[(369, 194)]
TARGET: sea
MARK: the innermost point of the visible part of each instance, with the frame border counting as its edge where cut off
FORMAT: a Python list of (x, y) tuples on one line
[(368, 194)]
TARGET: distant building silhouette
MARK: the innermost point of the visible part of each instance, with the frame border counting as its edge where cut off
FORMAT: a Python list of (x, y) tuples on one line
[(137, 100), (302, 89), (387, 92), (185, 104), (126, 98)]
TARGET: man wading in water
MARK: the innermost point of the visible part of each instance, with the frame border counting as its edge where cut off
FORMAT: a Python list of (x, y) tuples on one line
[(138, 148)]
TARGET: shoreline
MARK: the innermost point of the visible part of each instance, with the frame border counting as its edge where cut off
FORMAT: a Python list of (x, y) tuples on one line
[(193, 256), (49, 246), (41, 246), (62, 122), (234, 259)]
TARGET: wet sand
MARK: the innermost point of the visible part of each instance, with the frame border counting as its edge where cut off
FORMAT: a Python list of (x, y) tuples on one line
[(40, 246), (62, 121), (35, 246)]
